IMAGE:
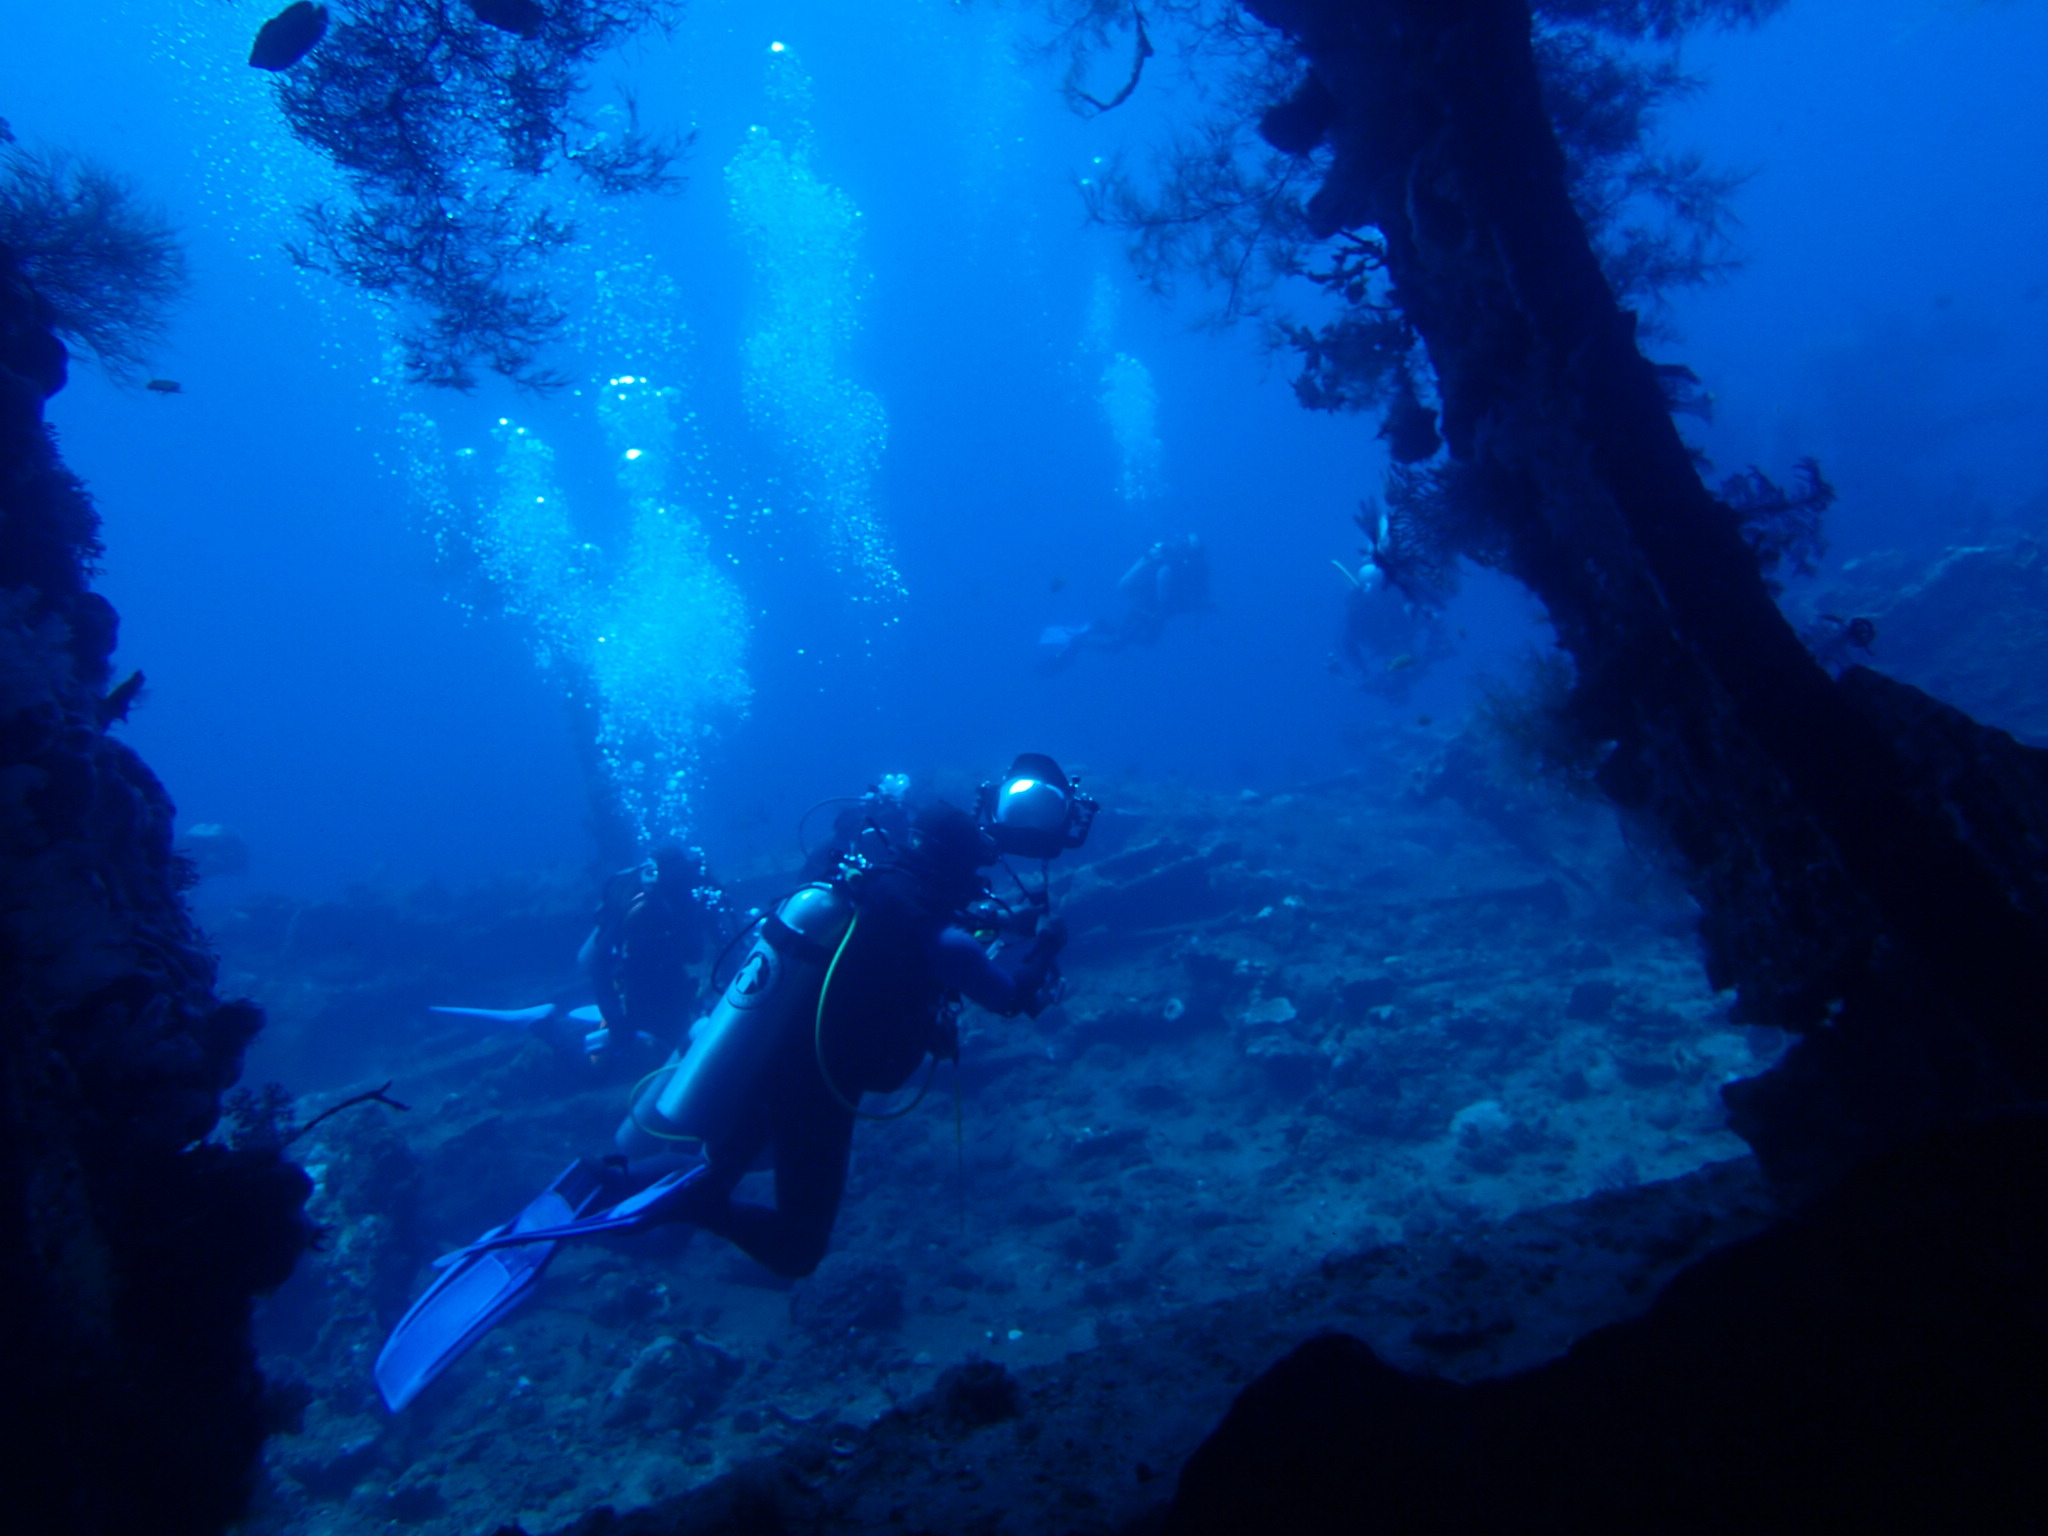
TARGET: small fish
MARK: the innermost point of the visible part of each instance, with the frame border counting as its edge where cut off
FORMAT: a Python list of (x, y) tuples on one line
[(1425, 721), (1058, 584), (115, 706), (1401, 663), (289, 36), (522, 18), (164, 387)]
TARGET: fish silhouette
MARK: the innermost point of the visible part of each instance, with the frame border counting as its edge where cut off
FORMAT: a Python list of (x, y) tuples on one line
[(289, 36), (523, 18)]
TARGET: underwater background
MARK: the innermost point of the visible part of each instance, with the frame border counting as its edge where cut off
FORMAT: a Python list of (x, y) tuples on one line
[(272, 530), (850, 419)]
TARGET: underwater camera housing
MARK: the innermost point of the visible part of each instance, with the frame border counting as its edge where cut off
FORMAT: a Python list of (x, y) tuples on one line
[(1034, 810)]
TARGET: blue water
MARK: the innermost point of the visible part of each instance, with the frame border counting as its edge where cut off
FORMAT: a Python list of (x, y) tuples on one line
[(314, 686)]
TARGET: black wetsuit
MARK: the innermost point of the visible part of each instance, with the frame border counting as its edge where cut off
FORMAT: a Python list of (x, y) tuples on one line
[(646, 942), (903, 960)]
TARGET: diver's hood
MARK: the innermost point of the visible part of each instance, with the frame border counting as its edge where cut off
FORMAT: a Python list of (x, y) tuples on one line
[(948, 845)]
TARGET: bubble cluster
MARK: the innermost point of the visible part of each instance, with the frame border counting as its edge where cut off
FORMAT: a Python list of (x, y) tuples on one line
[(647, 636), (1131, 405), (1127, 398), (669, 660), (801, 236), (628, 609)]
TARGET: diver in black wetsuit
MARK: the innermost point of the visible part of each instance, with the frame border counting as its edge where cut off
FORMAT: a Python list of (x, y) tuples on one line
[(1172, 577), (656, 923), (872, 825), (1390, 637), (850, 984), (884, 1009)]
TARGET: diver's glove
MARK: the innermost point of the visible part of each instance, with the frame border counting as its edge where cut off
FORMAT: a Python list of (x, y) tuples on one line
[(1038, 978), (1052, 938), (602, 1038)]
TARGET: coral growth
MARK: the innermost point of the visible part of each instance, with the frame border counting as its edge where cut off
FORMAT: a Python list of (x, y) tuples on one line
[(1782, 527), (1535, 736), (108, 266), (443, 127), (1227, 199)]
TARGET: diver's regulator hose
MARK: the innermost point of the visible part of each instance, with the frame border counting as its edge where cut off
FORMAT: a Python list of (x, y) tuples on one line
[(633, 1107)]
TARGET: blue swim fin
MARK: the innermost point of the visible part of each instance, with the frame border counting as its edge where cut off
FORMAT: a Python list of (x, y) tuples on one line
[(656, 1205), (524, 1018), (518, 1018), (484, 1281), (474, 1293)]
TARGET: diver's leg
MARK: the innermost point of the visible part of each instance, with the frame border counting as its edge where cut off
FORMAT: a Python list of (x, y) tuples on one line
[(813, 1137), (641, 1158)]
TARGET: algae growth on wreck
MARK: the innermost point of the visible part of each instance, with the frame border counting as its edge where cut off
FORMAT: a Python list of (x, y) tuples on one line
[(1521, 521)]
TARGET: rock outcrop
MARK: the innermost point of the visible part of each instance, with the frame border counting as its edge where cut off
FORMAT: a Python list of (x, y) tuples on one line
[(1875, 1362), (131, 1245), (1970, 626)]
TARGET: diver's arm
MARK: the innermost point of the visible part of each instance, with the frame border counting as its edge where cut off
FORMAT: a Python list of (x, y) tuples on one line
[(962, 965)]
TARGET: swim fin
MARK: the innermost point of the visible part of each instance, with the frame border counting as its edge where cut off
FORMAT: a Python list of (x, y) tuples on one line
[(484, 1281), (479, 1289), (656, 1205), (518, 1018)]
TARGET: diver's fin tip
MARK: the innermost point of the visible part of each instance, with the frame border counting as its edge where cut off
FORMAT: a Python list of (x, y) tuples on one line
[(475, 1291)]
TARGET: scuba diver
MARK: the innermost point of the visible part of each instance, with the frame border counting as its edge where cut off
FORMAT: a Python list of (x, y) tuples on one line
[(656, 922), (1171, 577), (1389, 638), (850, 984), (868, 824)]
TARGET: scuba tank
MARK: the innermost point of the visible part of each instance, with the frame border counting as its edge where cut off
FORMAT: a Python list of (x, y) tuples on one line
[(697, 1095)]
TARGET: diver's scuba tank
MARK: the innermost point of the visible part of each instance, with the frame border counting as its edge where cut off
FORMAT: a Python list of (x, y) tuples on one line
[(705, 1085)]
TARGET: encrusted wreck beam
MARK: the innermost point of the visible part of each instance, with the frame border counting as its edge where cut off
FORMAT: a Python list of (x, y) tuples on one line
[(1844, 892), (130, 1247)]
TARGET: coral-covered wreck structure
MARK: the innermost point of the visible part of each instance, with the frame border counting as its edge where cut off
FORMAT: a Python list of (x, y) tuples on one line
[(1868, 865), (1868, 862)]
